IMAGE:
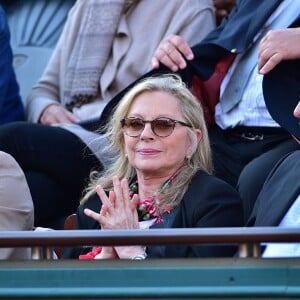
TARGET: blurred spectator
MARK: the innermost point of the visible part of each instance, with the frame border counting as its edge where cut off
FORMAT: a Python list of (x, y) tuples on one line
[(11, 107), (16, 207)]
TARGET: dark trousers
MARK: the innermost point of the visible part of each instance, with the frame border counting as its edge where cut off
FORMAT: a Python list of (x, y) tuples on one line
[(245, 156), (56, 164)]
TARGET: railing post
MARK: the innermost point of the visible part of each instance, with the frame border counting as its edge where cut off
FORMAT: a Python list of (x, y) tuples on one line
[(249, 250), (38, 253)]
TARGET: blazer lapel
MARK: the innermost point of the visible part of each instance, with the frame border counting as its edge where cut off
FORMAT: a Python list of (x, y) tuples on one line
[(168, 219)]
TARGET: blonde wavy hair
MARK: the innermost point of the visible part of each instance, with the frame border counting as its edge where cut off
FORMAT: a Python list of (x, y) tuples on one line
[(192, 113)]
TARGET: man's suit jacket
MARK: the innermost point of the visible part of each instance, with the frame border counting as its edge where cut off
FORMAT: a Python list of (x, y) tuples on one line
[(279, 192), (208, 202)]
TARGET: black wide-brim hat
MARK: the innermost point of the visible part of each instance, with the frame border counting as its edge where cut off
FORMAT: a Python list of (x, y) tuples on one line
[(281, 89)]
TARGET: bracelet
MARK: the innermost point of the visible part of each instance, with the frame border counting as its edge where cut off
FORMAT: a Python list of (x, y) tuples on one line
[(140, 256)]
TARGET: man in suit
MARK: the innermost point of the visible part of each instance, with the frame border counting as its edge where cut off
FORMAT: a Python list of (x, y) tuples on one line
[(246, 141), (280, 191), (278, 203)]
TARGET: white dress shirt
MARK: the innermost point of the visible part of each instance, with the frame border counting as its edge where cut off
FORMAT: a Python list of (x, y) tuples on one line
[(251, 110), (291, 219)]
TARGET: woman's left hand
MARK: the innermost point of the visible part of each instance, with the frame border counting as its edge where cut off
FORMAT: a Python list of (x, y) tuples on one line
[(118, 210)]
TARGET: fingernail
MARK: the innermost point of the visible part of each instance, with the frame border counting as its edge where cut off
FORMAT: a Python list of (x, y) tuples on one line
[(190, 56), (262, 72), (182, 65)]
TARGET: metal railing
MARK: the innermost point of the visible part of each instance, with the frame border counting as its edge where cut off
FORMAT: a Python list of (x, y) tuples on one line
[(247, 239)]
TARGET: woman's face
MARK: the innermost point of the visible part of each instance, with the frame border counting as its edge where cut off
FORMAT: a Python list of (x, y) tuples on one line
[(149, 154)]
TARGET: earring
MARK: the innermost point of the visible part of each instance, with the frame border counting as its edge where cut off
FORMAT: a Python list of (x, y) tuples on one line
[(188, 160)]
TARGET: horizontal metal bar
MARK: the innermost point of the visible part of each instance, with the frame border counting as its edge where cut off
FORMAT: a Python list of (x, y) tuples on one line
[(229, 278), (148, 237)]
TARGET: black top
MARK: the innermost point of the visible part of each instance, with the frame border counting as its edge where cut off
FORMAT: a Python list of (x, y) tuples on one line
[(208, 202)]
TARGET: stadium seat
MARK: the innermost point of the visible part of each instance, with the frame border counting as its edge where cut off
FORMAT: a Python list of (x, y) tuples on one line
[(35, 27)]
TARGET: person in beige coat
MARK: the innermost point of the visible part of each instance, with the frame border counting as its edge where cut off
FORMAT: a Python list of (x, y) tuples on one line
[(105, 46), (94, 60), (16, 207)]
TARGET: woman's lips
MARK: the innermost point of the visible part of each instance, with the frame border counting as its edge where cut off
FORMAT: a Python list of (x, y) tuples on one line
[(148, 151)]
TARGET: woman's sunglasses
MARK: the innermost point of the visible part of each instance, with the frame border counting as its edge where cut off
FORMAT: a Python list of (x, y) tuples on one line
[(161, 127)]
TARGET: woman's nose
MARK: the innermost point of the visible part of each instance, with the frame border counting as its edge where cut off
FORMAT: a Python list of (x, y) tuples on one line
[(147, 132)]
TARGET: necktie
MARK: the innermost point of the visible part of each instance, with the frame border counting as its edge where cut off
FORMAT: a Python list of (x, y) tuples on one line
[(238, 81)]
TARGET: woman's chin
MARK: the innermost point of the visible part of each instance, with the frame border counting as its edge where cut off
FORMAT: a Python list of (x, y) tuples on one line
[(147, 168)]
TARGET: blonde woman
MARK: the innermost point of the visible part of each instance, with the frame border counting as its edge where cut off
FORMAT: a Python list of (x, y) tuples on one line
[(162, 173), (105, 45)]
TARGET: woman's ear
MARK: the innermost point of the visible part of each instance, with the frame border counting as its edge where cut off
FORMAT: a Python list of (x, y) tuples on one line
[(195, 138), (199, 135)]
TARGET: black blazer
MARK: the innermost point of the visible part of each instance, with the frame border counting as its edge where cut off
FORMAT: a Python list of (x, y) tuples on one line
[(208, 202), (279, 192)]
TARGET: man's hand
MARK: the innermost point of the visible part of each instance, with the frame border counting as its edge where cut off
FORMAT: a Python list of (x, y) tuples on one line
[(297, 115), (297, 111), (172, 52), (276, 46), (55, 113)]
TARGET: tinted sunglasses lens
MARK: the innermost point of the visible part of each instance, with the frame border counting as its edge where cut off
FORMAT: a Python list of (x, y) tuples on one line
[(163, 127), (133, 127)]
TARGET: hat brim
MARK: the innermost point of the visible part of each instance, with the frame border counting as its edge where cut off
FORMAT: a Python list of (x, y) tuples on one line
[(281, 89)]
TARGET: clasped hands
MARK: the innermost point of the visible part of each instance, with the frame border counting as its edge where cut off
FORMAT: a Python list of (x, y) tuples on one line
[(57, 114), (118, 211)]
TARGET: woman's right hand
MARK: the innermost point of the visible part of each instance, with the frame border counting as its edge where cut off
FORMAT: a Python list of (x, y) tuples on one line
[(172, 52), (118, 211), (107, 252), (55, 113)]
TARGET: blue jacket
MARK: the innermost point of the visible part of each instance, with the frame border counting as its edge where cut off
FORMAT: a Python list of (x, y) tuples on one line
[(11, 106)]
